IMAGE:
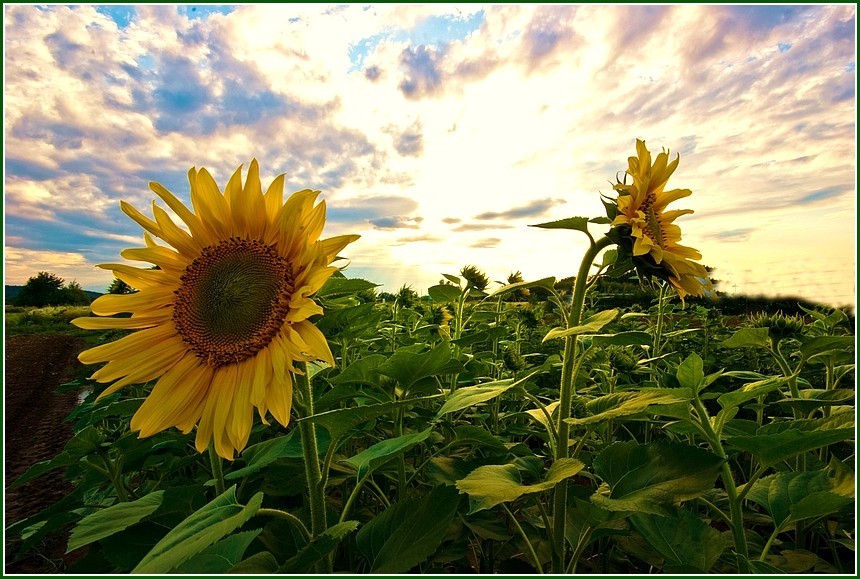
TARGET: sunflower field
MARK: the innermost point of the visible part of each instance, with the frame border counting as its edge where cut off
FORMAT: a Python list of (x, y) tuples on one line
[(253, 409)]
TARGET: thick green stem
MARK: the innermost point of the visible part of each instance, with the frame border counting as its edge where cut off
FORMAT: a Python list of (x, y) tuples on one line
[(310, 450), (658, 334), (217, 470), (566, 397), (113, 472), (736, 511)]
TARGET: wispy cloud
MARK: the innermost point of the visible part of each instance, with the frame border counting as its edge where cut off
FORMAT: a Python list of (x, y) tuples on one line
[(435, 125), (532, 209)]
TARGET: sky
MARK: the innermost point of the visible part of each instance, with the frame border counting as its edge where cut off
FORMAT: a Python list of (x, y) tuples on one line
[(439, 133)]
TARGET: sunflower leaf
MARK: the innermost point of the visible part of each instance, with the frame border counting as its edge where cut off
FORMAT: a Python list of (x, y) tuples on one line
[(319, 548), (747, 338), (576, 223), (375, 456), (202, 528), (589, 326), (105, 522), (339, 422)]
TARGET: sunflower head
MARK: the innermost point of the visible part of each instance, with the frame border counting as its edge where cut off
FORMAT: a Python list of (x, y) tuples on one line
[(645, 230), (779, 326), (223, 316)]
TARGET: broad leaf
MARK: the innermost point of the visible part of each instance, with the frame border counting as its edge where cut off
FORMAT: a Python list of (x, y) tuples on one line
[(341, 286), (648, 478), (750, 391), (471, 395), (105, 522), (408, 532), (812, 398), (319, 548), (822, 345), (794, 496), (626, 403), (408, 366), (576, 223), (546, 283), (776, 442), (589, 326), (444, 293), (204, 527), (365, 370), (265, 453), (262, 563), (748, 338), (488, 486), (339, 422), (681, 538), (220, 557), (690, 373), (369, 459)]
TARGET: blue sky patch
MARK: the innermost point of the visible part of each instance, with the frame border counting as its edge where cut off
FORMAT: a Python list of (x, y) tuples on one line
[(201, 12), (120, 14)]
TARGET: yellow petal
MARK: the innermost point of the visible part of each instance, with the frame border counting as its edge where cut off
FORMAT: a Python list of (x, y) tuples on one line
[(279, 398), (210, 205), (190, 219), (175, 236), (134, 322), (161, 256), (176, 392), (136, 342), (333, 245), (315, 340), (139, 278), (146, 299), (141, 219)]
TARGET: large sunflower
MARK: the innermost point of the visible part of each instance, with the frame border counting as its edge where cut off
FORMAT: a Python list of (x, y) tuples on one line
[(642, 215), (223, 316)]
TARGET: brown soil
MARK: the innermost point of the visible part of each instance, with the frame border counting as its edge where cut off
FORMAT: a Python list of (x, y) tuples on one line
[(34, 431)]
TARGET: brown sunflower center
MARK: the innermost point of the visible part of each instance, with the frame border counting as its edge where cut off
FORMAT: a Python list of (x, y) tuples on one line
[(233, 300)]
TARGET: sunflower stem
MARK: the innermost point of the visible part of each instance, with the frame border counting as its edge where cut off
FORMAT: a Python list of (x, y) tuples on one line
[(568, 377), (310, 451), (217, 471)]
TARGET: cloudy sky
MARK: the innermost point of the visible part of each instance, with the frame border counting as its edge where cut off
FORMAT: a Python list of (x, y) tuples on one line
[(439, 133)]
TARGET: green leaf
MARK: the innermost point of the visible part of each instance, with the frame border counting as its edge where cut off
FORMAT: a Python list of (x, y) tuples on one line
[(477, 437), (589, 326), (408, 366), (576, 223), (546, 283), (365, 370), (105, 522), (203, 528), (339, 422), (371, 458), (341, 286), (319, 548), (541, 416), (471, 395), (648, 478), (262, 454), (822, 345), (690, 373), (749, 391), (773, 445), (262, 563), (626, 403), (681, 538), (220, 557), (748, 338), (452, 278), (490, 485), (795, 496), (408, 532), (812, 398), (444, 293), (633, 338)]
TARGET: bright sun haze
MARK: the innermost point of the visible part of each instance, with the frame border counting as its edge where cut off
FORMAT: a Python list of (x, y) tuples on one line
[(439, 133)]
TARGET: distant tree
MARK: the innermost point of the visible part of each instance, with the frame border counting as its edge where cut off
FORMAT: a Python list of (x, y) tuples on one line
[(117, 286), (43, 289), (74, 295)]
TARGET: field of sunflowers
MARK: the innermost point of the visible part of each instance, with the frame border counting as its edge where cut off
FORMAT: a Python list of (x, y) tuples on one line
[(253, 409)]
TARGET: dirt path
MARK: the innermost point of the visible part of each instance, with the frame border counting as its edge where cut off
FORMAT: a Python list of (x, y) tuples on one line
[(34, 431)]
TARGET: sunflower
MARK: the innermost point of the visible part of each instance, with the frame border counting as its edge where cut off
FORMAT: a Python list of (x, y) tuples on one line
[(223, 316), (640, 215)]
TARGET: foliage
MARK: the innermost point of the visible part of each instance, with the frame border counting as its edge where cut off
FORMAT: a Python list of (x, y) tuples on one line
[(438, 441), (47, 289)]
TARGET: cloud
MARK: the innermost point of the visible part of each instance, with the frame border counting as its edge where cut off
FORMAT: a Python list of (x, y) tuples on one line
[(532, 209), (480, 227), (731, 235), (409, 142), (486, 243), (427, 238), (548, 31), (396, 222), (370, 208), (451, 220), (422, 76)]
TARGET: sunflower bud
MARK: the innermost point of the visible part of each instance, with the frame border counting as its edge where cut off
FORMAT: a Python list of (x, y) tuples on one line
[(779, 326)]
